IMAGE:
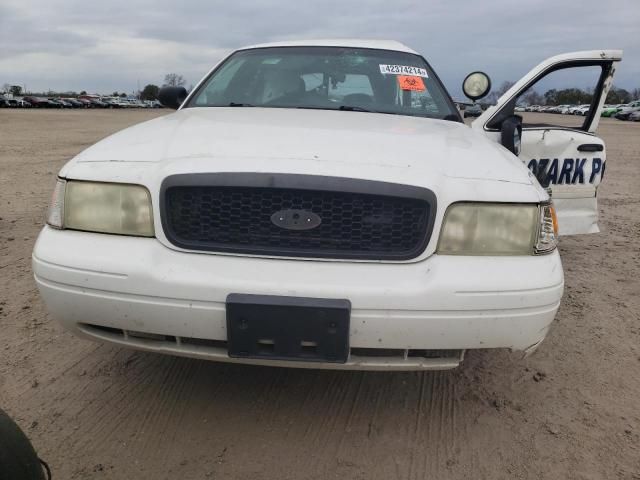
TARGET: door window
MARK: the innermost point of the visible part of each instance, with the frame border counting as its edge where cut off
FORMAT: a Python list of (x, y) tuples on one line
[(562, 98)]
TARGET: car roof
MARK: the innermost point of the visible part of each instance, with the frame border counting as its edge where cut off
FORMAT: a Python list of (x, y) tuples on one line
[(345, 42)]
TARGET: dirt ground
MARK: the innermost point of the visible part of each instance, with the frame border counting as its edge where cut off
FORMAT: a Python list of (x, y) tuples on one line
[(571, 411)]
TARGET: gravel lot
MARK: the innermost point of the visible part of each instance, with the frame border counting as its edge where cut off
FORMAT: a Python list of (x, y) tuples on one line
[(571, 411)]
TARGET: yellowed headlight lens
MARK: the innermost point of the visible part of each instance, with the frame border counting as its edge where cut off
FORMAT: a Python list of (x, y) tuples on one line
[(108, 208), (489, 229)]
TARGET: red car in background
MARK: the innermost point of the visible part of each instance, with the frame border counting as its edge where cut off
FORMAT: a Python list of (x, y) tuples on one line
[(38, 102)]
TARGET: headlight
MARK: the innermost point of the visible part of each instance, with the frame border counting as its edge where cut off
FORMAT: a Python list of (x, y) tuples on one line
[(497, 229), (55, 215), (102, 207), (548, 229)]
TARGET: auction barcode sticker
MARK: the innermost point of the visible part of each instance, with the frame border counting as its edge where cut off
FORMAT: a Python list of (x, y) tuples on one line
[(404, 70)]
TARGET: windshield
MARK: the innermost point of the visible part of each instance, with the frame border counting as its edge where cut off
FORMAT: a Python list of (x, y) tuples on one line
[(330, 78)]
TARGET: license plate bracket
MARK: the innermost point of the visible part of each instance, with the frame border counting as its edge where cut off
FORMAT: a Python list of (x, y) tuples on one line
[(288, 328)]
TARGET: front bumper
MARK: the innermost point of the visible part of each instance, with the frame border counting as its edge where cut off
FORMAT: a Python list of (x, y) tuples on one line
[(117, 289)]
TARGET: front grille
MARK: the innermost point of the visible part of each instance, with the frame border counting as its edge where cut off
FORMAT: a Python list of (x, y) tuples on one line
[(353, 224)]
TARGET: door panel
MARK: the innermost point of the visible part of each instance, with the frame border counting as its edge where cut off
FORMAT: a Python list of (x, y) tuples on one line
[(573, 176)]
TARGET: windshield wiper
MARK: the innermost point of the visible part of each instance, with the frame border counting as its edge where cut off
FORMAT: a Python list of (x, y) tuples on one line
[(234, 104), (345, 108), (351, 108)]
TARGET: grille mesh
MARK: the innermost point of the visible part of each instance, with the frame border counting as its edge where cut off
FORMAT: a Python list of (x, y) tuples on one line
[(353, 225)]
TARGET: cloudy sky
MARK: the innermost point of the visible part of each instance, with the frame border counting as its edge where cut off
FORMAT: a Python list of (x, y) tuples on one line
[(117, 45)]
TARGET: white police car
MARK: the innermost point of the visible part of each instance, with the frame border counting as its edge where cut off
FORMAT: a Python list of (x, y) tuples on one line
[(321, 204)]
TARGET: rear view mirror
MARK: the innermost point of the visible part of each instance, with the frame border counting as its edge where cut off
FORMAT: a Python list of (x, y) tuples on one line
[(476, 85), (172, 97), (511, 134)]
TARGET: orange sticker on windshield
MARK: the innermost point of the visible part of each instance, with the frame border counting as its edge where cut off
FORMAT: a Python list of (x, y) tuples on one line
[(409, 82)]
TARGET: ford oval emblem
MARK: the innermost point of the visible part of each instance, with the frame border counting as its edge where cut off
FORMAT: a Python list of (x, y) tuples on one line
[(296, 219)]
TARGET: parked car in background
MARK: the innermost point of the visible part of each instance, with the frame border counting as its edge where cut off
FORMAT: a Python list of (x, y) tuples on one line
[(627, 110), (75, 103), (22, 103), (97, 103), (135, 103), (88, 97), (63, 102), (115, 102), (581, 109), (110, 103), (53, 103), (635, 116), (123, 102), (4, 103), (474, 110), (38, 102), (611, 110)]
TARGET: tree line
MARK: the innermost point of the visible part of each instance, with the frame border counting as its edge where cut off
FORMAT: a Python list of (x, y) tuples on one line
[(149, 92), (565, 96)]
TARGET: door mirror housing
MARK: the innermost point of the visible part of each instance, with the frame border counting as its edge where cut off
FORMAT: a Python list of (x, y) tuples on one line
[(511, 134), (172, 97), (476, 85)]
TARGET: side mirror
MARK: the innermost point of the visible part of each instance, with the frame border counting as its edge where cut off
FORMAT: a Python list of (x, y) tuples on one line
[(172, 97), (511, 134), (476, 85)]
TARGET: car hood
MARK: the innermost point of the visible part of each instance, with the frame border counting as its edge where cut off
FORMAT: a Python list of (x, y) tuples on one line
[(312, 142)]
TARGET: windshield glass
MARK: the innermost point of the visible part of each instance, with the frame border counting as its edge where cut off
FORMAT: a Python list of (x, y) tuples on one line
[(330, 78)]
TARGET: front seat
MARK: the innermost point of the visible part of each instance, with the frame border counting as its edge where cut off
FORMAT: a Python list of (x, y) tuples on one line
[(279, 84)]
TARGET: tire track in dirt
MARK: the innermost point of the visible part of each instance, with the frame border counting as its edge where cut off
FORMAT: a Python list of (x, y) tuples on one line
[(413, 441), (296, 431), (433, 440), (106, 410), (332, 397), (179, 417), (164, 411), (76, 411), (144, 387), (268, 399), (60, 365), (330, 420)]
